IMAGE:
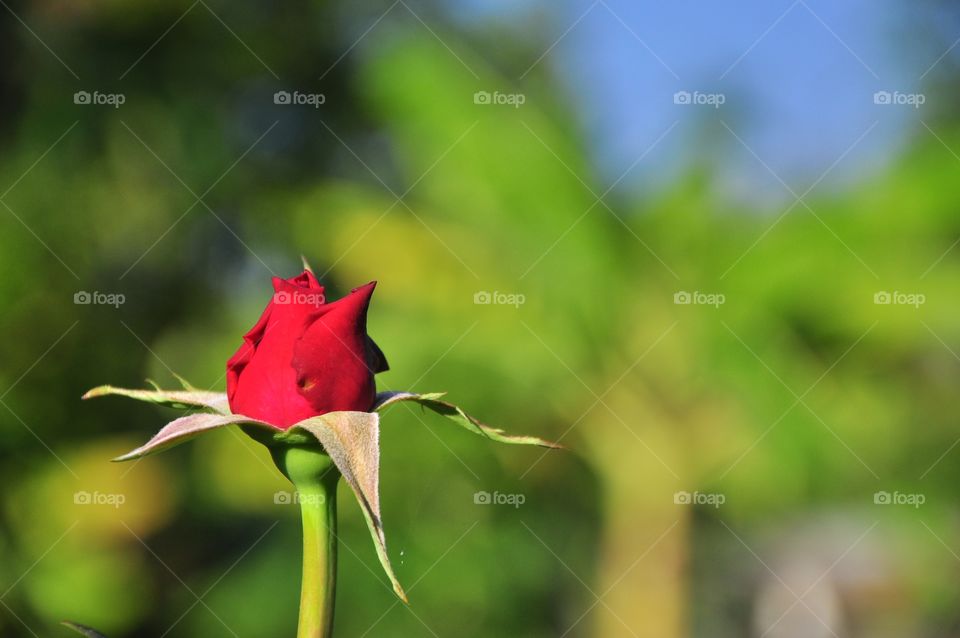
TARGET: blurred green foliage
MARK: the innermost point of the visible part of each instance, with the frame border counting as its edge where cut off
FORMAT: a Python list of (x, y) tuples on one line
[(798, 398)]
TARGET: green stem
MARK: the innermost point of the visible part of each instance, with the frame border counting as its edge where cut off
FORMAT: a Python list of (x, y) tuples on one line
[(315, 477)]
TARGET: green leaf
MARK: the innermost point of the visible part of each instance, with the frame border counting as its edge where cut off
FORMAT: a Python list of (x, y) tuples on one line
[(216, 401), (352, 439), (451, 411), (187, 427), (82, 629)]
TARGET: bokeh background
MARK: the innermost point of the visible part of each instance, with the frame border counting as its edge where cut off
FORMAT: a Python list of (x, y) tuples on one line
[(710, 247)]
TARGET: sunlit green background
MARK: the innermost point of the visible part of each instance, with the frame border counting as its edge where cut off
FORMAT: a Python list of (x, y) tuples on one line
[(794, 402)]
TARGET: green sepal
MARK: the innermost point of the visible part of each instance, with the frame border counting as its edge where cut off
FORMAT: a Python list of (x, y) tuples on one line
[(273, 437), (456, 414), (187, 399), (352, 439), (187, 427)]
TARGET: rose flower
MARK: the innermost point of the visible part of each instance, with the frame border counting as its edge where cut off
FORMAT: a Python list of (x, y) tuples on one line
[(305, 357)]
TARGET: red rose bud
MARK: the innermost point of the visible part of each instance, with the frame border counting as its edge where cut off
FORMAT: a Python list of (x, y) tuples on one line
[(305, 357)]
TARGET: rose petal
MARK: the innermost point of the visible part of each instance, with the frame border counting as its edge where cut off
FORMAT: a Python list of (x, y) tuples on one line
[(265, 385), (334, 371), (244, 353), (376, 358)]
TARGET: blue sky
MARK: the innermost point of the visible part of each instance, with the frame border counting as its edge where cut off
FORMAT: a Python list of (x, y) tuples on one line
[(798, 79)]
